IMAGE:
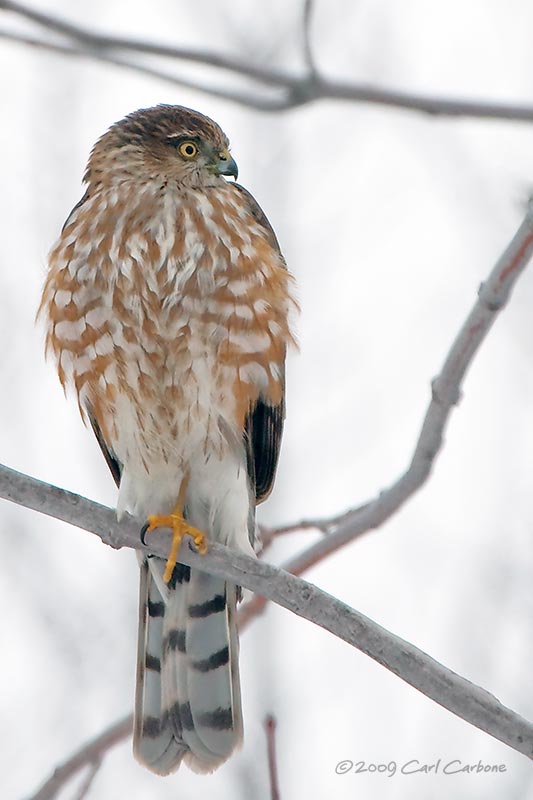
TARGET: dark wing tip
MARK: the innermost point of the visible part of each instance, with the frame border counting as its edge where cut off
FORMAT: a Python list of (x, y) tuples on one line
[(112, 461), (263, 432)]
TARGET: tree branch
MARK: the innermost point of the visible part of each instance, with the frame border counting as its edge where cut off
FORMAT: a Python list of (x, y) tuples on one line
[(90, 755), (94, 767), (97, 41), (270, 730), (277, 90), (241, 98), (445, 687), (445, 393), (307, 46)]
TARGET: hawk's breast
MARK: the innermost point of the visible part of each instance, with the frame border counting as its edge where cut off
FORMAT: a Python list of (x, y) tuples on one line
[(168, 312)]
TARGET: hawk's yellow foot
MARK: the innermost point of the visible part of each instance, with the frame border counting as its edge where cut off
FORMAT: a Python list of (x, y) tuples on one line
[(180, 527)]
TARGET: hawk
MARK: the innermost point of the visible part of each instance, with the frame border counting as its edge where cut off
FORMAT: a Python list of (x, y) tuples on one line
[(167, 307)]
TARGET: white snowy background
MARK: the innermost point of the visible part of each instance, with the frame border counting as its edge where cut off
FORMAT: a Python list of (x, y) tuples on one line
[(389, 220)]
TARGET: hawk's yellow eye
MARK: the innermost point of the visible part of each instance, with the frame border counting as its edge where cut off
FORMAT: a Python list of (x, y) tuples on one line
[(188, 149)]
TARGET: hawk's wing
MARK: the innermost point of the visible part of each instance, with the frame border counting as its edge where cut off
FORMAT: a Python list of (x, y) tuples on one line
[(78, 205), (264, 423), (262, 435), (112, 461)]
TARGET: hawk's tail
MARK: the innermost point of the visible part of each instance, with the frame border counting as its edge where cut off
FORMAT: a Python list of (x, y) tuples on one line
[(187, 703)]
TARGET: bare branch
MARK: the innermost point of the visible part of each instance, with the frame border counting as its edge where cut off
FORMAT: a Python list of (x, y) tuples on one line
[(308, 48), (267, 535), (94, 41), (451, 691), (270, 730), (90, 755), (89, 778), (446, 391), (493, 295), (277, 90), (241, 98)]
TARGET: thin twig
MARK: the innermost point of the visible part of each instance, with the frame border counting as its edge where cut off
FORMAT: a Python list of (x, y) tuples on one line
[(89, 778), (236, 96), (277, 90), (270, 730), (99, 41), (307, 46), (90, 755), (325, 525), (268, 535)]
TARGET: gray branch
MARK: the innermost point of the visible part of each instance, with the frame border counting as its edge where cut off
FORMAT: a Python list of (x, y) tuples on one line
[(90, 755), (445, 687), (273, 89), (92, 772), (493, 295), (309, 57), (270, 724)]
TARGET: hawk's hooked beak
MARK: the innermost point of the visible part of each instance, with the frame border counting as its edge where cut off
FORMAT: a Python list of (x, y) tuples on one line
[(226, 165)]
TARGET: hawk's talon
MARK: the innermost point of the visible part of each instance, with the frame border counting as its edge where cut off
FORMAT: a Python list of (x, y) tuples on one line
[(144, 531), (200, 542), (180, 527)]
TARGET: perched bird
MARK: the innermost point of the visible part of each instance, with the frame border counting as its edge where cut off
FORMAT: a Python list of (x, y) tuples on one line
[(167, 307)]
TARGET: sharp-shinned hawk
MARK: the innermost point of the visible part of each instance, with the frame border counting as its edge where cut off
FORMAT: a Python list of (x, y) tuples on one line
[(167, 308)]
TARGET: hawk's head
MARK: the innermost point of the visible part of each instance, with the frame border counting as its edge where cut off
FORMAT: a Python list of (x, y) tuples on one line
[(163, 142)]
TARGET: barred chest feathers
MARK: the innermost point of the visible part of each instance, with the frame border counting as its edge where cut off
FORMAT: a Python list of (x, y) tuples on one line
[(168, 378)]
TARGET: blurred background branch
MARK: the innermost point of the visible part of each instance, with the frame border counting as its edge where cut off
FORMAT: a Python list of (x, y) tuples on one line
[(87, 757), (272, 89), (270, 731), (445, 394)]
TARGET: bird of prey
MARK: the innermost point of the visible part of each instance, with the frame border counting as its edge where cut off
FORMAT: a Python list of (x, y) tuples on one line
[(167, 308)]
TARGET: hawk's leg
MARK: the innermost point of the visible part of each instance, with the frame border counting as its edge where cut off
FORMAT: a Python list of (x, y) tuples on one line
[(180, 527)]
